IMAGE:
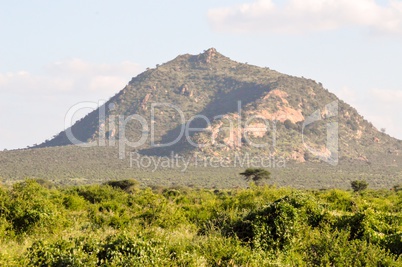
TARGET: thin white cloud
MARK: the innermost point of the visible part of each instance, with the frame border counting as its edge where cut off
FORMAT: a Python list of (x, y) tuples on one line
[(379, 106), (347, 94), (25, 82), (70, 76), (384, 110), (387, 96), (304, 16), (39, 101)]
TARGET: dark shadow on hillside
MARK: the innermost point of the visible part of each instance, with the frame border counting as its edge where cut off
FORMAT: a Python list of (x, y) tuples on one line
[(225, 101), (82, 130)]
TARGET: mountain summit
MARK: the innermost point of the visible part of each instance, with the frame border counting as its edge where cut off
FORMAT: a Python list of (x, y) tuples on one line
[(210, 105)]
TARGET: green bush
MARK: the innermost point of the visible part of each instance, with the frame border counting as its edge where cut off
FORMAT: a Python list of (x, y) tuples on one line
[(73, 201), (98, 193), (273, 227), (61, 253), (31, 205), (339, 200), (123, 250), (393, 243), (333, 248)]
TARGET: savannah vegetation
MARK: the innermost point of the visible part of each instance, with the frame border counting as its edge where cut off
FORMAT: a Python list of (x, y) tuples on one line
[(120, 223), (71, 165)]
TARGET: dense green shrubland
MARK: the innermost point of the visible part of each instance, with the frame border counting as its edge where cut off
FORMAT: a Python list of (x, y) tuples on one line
[(120, 224)]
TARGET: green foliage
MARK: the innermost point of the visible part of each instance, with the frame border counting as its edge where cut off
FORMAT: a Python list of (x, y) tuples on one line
[(393, 243), (104, 225), (73, 201), (124, 250), (359, 186), (333, 248), (339, 200), (100, 193), (272, 228), (277, 226), (72, 252), (31, 205)]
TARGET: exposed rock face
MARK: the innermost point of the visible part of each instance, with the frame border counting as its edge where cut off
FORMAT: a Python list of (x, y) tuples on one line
[(232, 136), (279, 94), (208, 55), (184, 90), (256, 129), (144, 101), (298, 155), (282, 114), (282, 110)]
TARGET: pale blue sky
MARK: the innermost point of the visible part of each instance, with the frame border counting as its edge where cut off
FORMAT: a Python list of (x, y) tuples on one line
[(54, 54)]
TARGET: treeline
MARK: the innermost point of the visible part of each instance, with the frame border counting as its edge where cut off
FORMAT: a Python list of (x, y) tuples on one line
[(120, 224)]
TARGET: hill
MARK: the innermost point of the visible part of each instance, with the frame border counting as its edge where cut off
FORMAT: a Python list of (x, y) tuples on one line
[(241, 108), (215, 112)]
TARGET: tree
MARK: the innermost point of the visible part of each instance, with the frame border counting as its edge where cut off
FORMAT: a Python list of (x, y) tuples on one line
[(256, 174), (129, 185), (358, 186)]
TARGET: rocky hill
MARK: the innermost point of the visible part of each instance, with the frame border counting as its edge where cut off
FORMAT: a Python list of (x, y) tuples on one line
[(239, 107), (215, 112)]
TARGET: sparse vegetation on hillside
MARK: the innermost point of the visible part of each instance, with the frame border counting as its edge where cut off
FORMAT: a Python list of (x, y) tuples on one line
[(81, 166), (211, 85), (103, 225)]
